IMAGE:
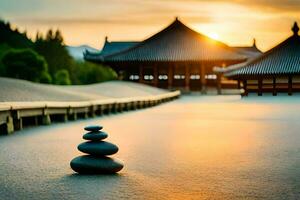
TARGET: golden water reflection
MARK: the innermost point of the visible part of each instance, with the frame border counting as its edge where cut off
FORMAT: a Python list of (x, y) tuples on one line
[(220, 147)]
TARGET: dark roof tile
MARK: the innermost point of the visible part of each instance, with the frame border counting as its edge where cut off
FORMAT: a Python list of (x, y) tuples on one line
[(177, 42), (280, 60)]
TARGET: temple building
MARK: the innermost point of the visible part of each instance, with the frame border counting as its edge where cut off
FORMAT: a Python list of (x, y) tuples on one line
[(277, 70), (176, 57)]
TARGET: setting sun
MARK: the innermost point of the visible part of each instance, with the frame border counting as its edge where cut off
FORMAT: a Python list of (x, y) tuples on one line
[(214, 36)]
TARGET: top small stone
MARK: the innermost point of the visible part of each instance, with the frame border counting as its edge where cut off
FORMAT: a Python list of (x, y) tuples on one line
[(93, 128)]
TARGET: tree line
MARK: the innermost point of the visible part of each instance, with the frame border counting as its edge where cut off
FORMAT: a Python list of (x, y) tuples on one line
[(45, 60)]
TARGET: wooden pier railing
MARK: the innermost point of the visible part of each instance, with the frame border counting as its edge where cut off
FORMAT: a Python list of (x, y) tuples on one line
[(15, 115)]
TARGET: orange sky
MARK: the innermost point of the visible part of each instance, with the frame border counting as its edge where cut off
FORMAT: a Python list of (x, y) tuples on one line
[(234, 22)]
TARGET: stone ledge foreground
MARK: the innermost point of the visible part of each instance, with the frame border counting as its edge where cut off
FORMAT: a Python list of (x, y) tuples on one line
[(23, 102)]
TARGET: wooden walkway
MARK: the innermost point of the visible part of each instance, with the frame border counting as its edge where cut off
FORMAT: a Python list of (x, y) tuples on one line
[(15, 115)]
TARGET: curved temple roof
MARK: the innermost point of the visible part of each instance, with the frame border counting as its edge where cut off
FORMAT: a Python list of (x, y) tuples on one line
[(284, 59), (177, 42), (109, 48), (249, 51)]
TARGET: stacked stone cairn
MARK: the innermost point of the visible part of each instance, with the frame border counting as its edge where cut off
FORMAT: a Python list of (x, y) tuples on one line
[(97, 160)]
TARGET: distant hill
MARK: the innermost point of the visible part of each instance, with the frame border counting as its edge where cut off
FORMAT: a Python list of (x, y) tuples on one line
[(77, 51)]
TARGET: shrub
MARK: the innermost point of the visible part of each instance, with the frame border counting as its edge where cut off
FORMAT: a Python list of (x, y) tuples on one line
[(24, 64), (87, 73), (45, 78), (62, 77)]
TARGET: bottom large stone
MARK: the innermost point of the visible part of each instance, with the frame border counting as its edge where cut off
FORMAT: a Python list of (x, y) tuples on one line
[(88, 164)]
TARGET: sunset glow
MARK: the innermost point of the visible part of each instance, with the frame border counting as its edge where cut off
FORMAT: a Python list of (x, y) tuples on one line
[(89, 21), (214, 36)]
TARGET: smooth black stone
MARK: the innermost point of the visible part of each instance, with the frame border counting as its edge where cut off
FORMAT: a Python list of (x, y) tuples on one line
[(100, 148), (93, 128), (95, 136), (96, 165)]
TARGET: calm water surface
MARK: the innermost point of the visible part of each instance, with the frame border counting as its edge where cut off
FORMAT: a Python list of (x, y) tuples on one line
[(193, 148)]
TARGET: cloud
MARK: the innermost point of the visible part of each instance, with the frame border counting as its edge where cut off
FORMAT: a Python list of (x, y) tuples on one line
[(236, 21), (143, 20), (266, 5)]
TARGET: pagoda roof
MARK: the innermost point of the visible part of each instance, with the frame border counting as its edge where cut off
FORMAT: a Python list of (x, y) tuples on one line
[(109, 48), (177, 42), (283, 59), (117, 46), (249, 51)]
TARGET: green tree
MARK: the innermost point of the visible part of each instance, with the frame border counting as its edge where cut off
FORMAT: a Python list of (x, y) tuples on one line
[(62, 77), (3, 50), (24, 64), (54, 51), (87, 73), (45, 78), (12, 37), (51, 47)]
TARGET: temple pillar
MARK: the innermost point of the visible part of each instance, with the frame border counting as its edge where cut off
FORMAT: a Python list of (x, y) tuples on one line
[(245, 88), (239, 84), (274, 87), (290, 85), (155, 75), (187, 77), (259, 92), (203, 79), (141, 74), (219, 84), (170, 76)]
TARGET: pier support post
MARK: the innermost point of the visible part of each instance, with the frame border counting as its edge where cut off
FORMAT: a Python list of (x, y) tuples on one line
[(100, 110), (128, 106), (92, 111), (134, 105), (110, 108), (36, 120), (65, 118), (115, 107), (17, 120), (85, 115), (8, 127), (120, 107), (141, 104), (46, 120), (73, 116), (18, 124)]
